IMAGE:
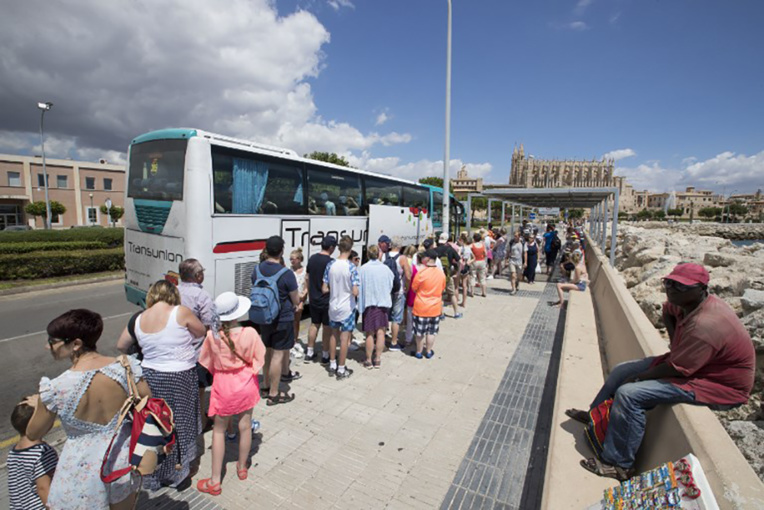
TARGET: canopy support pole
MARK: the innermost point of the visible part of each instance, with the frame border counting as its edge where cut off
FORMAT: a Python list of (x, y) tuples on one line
[(614, 228), (469, 212), (503, 208), (512, 223), (604, 226)]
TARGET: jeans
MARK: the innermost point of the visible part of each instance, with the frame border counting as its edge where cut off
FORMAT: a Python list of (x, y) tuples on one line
[(630, 402)]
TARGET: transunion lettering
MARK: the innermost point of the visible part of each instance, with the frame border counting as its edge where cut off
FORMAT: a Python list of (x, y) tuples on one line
[(154, 253)]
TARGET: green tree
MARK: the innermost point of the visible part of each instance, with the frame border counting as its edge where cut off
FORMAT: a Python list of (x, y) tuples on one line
[(432, 181), (675, 212), (623, 215), (737, 209), (575, 214), (38, 209), (659, 215), (644, 214), (710, 212), (115, 212), (329, 157), (478, 203)]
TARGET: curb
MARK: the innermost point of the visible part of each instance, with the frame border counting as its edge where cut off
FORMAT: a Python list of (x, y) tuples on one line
[(57, 285)]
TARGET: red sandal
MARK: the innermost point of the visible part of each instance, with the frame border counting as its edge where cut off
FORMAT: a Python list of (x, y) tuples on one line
[(205, 485), (241, 472)]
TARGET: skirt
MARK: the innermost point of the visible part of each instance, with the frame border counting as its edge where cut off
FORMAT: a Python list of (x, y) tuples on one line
[(181, 392), (374, 318), (234, 392)]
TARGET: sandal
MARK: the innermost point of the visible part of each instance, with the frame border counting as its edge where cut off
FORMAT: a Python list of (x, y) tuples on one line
[(291, 376), (599, 468), (578, 415), (205, 485), (281, 398), (264, 392), (377, 363), (368, 364), (241, 472)]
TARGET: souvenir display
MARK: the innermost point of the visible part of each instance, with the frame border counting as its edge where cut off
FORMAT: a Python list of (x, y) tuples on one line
[(669, 486)]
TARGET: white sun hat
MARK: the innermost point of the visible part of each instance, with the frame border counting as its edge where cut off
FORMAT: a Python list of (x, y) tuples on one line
[(231, 307)]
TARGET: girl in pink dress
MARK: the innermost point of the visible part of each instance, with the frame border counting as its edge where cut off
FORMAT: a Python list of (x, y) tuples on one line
[(234, 359)]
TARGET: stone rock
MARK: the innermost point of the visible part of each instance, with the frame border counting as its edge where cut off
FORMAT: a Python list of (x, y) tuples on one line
[(749, 437), (752, 300), (718, 260)]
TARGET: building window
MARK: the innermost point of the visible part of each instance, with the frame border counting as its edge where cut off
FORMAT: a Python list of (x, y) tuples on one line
[(14, 179), (92, 215), (107, 184), (89, 182), (41, 181), (61, 181)]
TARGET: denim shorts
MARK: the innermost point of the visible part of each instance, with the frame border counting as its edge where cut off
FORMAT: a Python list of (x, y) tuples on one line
[(581, 286), (396, 311), (344, 325)]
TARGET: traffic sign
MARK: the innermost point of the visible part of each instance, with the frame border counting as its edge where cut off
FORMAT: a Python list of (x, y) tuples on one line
[(532, 216)]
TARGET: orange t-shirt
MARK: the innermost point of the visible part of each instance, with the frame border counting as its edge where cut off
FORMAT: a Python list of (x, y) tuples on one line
[(429, 284), (478, 250)]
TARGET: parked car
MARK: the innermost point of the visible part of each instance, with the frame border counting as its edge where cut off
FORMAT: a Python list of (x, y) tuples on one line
[(16, 228)]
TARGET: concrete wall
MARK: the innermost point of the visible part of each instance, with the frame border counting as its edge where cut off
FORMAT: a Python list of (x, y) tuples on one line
[(672, 432)]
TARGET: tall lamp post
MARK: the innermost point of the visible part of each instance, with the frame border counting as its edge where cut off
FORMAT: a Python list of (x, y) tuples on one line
[(45, 107), (446, 158), (91, 208)]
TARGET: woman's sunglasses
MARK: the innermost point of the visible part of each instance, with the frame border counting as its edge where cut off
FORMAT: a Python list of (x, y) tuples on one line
[(53, 341)]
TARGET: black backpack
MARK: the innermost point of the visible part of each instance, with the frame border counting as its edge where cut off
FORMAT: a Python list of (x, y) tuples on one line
[(556, 243), (391, 263)]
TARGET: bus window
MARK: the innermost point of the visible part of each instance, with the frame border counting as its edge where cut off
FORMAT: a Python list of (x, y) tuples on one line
[(156, 170), (414, 196), (333, 193), (437, 209), (382, 192), (245, 185)]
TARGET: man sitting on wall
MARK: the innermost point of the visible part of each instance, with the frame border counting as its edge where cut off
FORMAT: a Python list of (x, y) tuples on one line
[(711, 362)]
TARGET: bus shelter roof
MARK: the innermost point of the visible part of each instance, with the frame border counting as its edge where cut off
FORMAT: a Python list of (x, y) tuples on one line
[(551, 197)]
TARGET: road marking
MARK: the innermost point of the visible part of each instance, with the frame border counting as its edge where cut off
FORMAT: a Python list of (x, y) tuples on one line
[(15, 439), (40, 332)]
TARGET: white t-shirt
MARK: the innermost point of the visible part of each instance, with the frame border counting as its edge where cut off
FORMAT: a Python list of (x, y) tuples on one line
[(516, 253), (341, 276)]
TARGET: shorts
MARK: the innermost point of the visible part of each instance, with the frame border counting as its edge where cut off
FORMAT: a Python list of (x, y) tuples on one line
[(396, 311), (426, 325), (276, 337), (515, 268), (550, 257), (450, 288), (204, 376), (346, 325), (581, 286), (319, 315), (374, 318)]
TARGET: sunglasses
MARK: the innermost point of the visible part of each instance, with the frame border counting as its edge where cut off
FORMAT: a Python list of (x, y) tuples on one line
[(53, 341), (679, 287)]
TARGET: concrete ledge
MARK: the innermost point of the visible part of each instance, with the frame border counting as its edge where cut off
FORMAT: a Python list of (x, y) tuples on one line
[(671, 431), (566, 484)]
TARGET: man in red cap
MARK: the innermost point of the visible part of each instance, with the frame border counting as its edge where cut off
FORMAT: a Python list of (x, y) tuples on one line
[(711, 362)]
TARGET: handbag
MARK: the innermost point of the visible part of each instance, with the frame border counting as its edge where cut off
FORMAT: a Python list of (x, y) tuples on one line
[(595, 430), (152, 434)]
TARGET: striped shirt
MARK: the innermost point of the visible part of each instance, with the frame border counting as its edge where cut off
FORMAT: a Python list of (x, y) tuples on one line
[(24, 467)]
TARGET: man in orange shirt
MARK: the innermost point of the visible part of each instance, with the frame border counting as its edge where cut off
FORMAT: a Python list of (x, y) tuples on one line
[(429, 284)]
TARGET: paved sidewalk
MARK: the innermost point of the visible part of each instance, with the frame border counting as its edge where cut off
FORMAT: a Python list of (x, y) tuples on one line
[(413, 434)]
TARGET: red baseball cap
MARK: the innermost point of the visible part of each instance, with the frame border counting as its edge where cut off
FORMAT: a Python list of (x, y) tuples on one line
[(689, 274)]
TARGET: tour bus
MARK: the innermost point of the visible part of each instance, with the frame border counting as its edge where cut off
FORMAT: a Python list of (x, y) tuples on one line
[(194, 194)]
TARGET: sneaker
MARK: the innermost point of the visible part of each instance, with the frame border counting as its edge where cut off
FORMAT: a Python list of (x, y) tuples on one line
[(311, 359), (458, 315), (333, 371), (231, 438), (395, 347), (255, 426), (297, 353), (418, 355), (429, 354), (489, 277), (344, 375), (324, 361)]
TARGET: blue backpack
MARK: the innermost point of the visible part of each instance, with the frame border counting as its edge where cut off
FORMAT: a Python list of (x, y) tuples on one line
[(264, 295)]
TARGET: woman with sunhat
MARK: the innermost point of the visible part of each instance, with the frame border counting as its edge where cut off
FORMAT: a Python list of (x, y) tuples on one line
[(234, 359)]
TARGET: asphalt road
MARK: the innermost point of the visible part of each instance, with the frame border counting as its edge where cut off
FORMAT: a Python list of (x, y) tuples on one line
[(24, 358)]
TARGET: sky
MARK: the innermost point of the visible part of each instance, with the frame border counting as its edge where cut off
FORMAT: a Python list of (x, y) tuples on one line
[(672, 89)]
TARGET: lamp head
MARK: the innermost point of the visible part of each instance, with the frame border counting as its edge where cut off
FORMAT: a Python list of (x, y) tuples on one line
[(44, 106)]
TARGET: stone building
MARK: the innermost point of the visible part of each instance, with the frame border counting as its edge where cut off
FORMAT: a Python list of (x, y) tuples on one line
[(753, 201), (82, 187), (691, 200), (528, 172), (464, 184)]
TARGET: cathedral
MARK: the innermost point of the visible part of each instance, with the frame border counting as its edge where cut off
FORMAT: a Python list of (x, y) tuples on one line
[(528, 172)]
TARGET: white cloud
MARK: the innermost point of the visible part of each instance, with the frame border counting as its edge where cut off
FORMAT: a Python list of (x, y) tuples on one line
[(382, 118), (339, 4), (578, 26), (581, 6), (727, 170), (242, 71), (619, 154), (415, 170)]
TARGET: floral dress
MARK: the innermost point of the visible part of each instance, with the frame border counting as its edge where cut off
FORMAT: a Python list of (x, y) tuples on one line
[(77, 484)]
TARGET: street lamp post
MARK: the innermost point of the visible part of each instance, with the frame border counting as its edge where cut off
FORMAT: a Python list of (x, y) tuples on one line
[(44, 107), (108, 212), (91, 208), (446, 158)]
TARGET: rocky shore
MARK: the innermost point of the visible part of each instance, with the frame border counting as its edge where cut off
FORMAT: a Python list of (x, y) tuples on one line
[(646, 252)]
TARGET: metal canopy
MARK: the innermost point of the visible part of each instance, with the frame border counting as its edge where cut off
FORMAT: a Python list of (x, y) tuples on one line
[(571, 198)]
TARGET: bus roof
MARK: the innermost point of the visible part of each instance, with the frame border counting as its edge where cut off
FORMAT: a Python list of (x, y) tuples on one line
[(166, 134)]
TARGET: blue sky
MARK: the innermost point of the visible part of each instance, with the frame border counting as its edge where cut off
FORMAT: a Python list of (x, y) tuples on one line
[(673, 89)]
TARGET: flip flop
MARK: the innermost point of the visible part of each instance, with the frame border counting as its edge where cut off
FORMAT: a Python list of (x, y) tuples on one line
[(206, 486), (578, 415), (281, 398), (368, 364), (599, 468)]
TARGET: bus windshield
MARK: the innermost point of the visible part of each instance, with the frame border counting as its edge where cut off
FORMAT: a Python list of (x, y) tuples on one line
[(156, 170)]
